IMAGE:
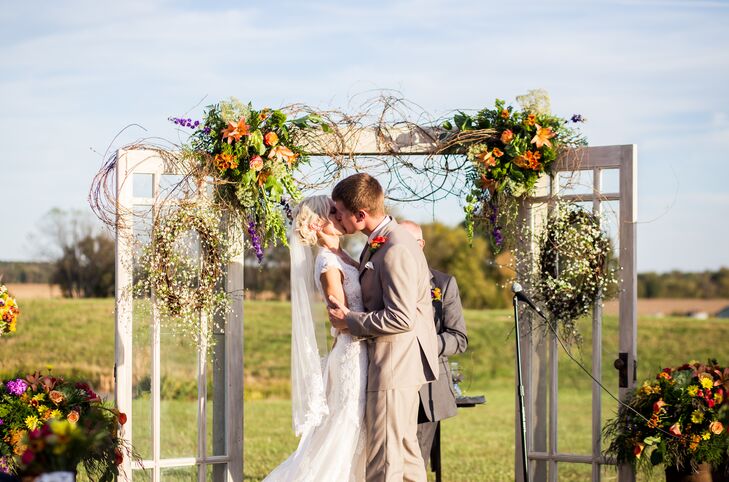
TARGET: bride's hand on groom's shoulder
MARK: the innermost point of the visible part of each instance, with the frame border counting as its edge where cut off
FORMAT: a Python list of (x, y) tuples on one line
[(337, 312)]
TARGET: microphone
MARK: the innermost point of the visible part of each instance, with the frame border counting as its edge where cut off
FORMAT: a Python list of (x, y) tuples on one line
[(520, 295)]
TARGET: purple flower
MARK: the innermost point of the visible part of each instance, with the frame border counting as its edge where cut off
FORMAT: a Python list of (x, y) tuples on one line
[(578, 118), (17, 387), (1, 421), (5, 464), (184, 122), (498, 238), (255, 240)]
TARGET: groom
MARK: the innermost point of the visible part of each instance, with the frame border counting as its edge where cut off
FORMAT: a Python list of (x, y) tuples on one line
[(402, 343)]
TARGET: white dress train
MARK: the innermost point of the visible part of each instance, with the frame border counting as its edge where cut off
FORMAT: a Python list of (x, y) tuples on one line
[(334, 450)]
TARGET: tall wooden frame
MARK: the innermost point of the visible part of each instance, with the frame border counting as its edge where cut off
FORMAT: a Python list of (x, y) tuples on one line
[(227, 366), (539, 358)]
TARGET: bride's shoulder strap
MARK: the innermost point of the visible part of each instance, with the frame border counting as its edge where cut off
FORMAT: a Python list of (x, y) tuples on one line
[(327, 260)]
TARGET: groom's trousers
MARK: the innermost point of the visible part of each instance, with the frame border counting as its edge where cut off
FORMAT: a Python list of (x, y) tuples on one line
[(393, 452)]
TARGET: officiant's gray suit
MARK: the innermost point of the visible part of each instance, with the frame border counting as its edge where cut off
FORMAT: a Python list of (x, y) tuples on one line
[(402, 348), (437, 399)]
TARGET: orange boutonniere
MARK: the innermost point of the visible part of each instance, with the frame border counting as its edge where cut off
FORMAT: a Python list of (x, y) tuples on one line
[(436, 295), (377, 243)]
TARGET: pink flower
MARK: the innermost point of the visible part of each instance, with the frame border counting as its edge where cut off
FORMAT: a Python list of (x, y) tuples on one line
[(256, 163), (675, 429)]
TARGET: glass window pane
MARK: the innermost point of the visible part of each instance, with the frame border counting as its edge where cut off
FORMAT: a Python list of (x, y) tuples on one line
[(143, 185)]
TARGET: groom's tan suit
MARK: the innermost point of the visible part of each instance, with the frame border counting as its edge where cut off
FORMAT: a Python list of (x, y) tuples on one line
[(402, 348)]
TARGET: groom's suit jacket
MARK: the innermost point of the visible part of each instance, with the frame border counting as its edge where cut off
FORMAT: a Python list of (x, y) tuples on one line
[(402, 344)]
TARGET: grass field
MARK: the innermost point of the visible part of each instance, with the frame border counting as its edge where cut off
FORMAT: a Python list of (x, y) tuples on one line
[(76, 337)]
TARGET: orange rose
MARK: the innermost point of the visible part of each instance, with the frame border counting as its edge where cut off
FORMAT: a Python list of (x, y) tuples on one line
[(256, 163), (271, 138), (56, 397), (72, 416), (716, 427), (507, 136)]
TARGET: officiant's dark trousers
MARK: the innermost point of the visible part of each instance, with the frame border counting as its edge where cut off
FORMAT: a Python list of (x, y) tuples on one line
[(393, 453)]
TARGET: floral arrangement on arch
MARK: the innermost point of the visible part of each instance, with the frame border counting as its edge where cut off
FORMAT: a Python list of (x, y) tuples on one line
[(251, 156), (678, 419), (49, 424), (9, 312), (509, 150)]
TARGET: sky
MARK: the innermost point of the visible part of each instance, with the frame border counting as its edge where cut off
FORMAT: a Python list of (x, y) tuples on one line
[(74, 74)]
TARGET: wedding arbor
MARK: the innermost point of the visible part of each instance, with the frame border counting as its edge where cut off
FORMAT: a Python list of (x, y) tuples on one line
[(143, 348)]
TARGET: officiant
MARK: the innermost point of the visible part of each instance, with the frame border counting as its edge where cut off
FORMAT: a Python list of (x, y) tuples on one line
[(437, 399)]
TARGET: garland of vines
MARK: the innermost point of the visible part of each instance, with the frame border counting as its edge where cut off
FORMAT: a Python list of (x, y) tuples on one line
[(573, 266), (250, 161), (183, 264)]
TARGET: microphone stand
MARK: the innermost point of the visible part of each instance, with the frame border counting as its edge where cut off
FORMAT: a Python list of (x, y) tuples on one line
[(524, 455), (525, 460)]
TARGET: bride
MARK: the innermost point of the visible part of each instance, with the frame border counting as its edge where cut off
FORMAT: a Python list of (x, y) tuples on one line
[(328, 402)]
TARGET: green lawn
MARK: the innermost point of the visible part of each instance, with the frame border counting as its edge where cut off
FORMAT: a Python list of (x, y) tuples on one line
[(76, 337)]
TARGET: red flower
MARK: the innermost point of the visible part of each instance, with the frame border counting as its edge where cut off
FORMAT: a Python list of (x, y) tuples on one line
[(27, 457), (118, 456), (122, 418), (377, 242)]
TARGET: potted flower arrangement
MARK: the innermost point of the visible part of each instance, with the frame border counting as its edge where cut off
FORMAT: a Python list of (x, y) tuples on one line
[(9, 312), (678, 420), (50, 425)]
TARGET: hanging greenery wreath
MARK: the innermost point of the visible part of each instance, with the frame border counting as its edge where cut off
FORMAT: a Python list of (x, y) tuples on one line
[(573, 266), (183, 264)]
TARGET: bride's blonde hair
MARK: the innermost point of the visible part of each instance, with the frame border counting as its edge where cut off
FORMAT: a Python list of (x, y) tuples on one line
[(310, 210)]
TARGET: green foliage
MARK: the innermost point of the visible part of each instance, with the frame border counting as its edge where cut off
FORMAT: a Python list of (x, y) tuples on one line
[(677, 284), (25, 272), (479, 278)]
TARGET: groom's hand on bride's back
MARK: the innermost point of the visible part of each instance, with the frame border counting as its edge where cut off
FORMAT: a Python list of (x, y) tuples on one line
[(337, 312)]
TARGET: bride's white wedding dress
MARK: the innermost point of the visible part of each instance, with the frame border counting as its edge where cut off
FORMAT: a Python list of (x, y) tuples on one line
[(334, 450)]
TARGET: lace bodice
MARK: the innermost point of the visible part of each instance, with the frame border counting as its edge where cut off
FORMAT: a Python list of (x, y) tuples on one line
[(327, 260)]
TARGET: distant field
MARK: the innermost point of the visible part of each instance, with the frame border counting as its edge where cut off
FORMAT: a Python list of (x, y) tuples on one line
[(76, 337), (24, 291)]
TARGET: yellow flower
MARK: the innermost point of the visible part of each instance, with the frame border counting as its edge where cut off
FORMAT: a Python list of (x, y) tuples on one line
[(56, 414), (706, 381), (31, 422), (705, 435), (697, 416), (42, 409), (692, 390)]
